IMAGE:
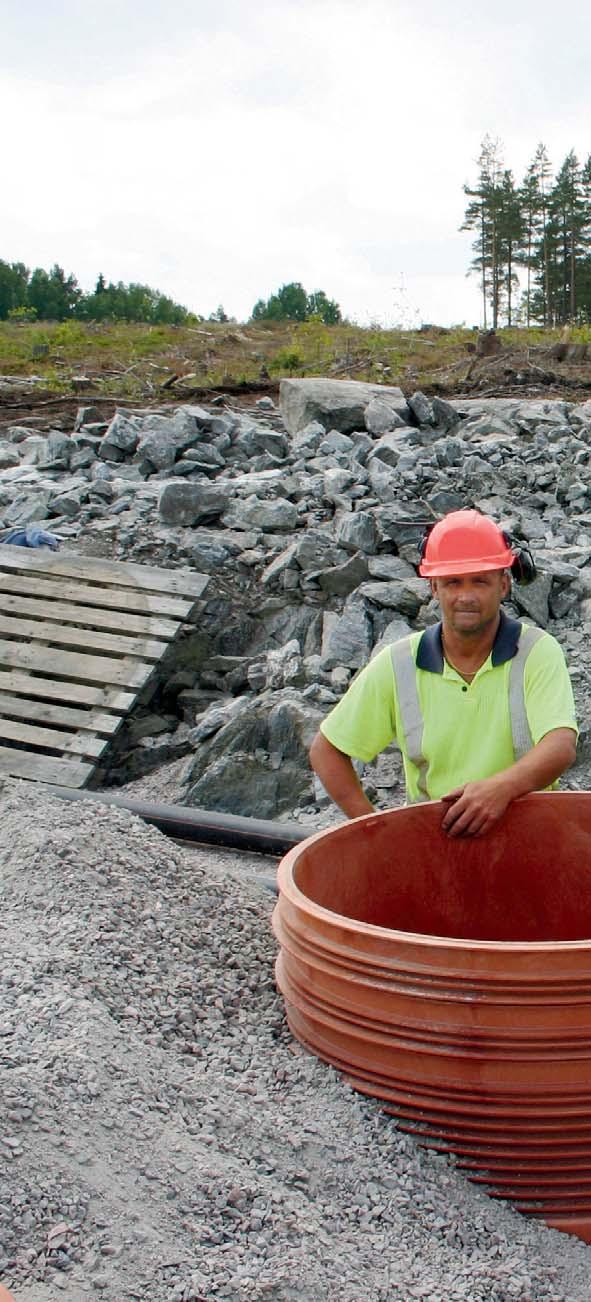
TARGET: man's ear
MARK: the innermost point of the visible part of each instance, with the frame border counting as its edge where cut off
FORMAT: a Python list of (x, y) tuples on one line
[(433, 586), (506, 584)]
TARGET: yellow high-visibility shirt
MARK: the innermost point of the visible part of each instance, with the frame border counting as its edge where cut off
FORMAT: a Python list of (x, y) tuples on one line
[(467, 727)]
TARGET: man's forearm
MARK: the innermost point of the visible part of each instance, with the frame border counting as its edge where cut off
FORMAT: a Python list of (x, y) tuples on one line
[(542, 765), (473, 809), (339, 778)]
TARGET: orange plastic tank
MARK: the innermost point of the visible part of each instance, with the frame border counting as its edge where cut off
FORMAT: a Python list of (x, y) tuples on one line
[(452, 979), (5, 1296)]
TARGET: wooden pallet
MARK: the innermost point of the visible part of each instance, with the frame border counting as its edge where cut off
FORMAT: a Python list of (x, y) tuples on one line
[(79, 639)]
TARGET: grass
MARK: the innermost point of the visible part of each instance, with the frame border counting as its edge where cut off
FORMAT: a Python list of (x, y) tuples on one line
[(134, 360)]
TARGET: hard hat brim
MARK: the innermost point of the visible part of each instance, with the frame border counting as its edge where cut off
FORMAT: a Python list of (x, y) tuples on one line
[(447, 569)]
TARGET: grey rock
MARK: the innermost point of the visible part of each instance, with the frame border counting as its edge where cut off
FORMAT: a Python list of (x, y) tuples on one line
[(345, 578), (394, 631), (390, 567), (121, 437), (26, 508), (252, 439), (190, 504), (562, 601), (317, 550), (90, 415), (203, 456), (257, 763), (277, 669), (59, 450), (483, 427), (277, 515), (67, 504), (277, 567), (336, 404), (308, 437), (533, 599), (163, 438), (405, 595), (444, 500), (449, 452), (34, 450), (356, 531), (17, 433), (8, 455), (388, 449), (337, 481), (421, 408), (444, 414), (383, 481), (381, 417), (214, 718), (335, 443), (346, 639)]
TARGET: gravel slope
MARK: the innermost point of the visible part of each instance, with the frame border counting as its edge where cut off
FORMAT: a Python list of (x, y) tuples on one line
[(161, 1135)]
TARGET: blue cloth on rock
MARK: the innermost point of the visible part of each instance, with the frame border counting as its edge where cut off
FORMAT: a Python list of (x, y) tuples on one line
[(32, 536)]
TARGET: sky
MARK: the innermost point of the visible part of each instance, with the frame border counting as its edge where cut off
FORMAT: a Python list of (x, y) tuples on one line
[(218, 149)]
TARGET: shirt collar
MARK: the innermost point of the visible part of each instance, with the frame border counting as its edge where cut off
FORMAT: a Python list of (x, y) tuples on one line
[(430, 648)]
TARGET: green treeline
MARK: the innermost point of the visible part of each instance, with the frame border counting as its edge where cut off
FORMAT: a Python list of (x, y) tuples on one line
[(541, 229), (54, 296), (293, 303)]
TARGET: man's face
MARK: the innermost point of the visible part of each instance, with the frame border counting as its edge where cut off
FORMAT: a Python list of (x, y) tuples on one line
[(470, 602)]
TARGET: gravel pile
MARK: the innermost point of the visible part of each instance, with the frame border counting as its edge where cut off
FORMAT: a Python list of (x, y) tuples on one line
[(163, 1138)]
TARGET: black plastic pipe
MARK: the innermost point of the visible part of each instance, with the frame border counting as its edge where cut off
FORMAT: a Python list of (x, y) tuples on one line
[(211, 828)]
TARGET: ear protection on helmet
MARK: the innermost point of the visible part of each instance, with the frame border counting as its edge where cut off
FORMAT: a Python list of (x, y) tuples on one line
[(424, 540), (523, 569)]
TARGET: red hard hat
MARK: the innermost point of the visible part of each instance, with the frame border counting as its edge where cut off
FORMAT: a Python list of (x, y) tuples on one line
[(465, 542)]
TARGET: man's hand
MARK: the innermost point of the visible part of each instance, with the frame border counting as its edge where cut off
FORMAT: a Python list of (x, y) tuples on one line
[(473, 810)]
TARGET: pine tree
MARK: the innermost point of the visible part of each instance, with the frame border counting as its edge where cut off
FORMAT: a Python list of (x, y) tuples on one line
[(510, 223), (570, 219), (482, 215), (533, 202)]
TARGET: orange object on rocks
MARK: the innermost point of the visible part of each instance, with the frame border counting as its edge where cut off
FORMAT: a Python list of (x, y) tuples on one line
[(5, 1296), (452, 979)]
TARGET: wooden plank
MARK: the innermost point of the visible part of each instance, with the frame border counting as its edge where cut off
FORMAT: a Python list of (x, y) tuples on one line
[(66, 664), (94, 570), (87, 638), (19, 707), (143, 603), (89, 616), (43, 768), (106, 697), (76, 743)]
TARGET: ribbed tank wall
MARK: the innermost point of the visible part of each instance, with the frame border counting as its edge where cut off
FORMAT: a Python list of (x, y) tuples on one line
[(452, 980)]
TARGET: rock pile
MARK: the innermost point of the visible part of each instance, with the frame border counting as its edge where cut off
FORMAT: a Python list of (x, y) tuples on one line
[(162, 1138), (307, 521)]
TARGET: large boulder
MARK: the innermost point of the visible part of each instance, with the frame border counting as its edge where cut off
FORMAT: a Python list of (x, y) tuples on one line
[(190, 504), (335, 404), (257, 763), (163, 438), (276, 515), (121, 438)]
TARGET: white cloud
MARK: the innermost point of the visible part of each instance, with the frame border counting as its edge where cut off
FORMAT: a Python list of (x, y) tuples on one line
[(224, 151)]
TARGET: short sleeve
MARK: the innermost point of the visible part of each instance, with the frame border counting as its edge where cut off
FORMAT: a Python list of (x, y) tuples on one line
[(549, 697), (364, 721)]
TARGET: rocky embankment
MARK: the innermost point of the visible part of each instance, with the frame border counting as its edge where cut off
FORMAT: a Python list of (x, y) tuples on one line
[(307, 520)]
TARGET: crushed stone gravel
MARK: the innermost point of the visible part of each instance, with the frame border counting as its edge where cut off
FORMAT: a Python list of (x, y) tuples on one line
[(162, 1136)]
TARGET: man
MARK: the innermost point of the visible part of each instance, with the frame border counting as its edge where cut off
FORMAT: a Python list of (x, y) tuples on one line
[(480, 705)]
